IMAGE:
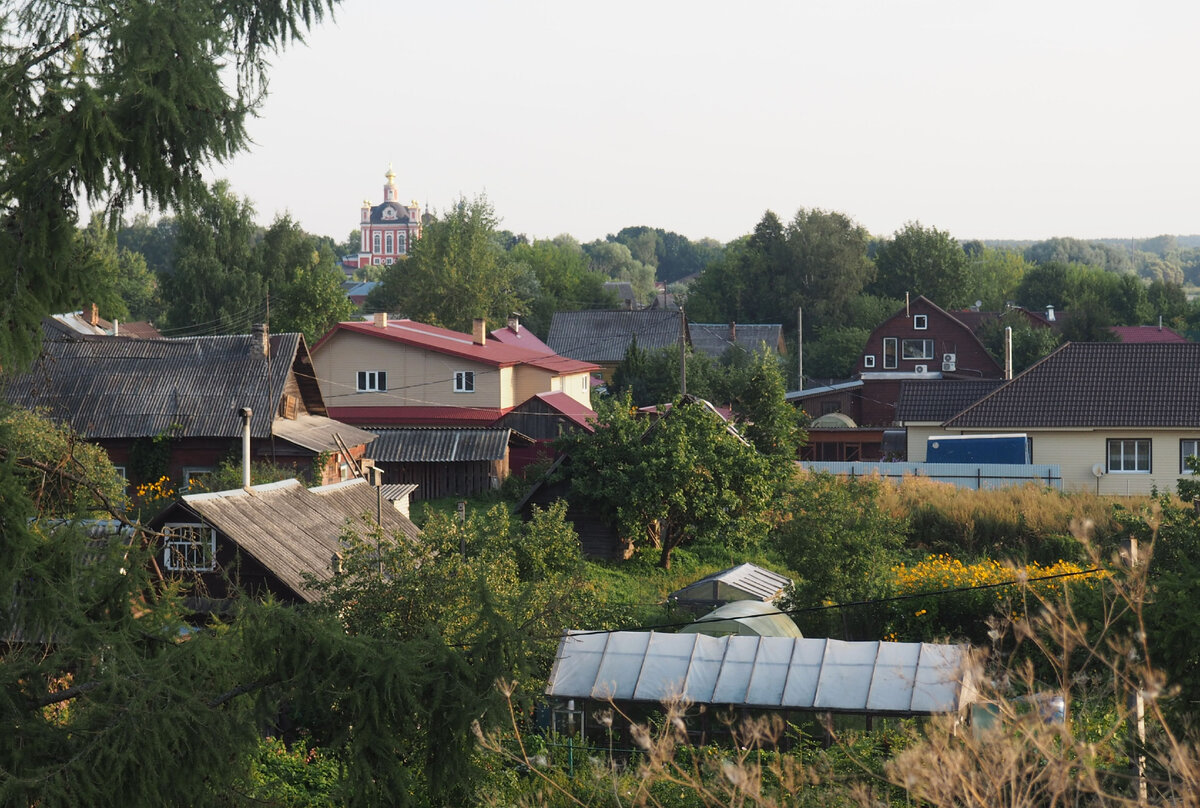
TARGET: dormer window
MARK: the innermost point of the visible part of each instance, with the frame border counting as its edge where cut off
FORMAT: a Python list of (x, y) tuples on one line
[(920, 321)]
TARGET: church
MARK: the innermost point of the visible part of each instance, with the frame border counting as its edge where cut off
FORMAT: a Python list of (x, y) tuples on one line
[(388, 229)]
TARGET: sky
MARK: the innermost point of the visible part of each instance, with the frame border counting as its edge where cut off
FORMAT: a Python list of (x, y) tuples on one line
[(1013, 120)]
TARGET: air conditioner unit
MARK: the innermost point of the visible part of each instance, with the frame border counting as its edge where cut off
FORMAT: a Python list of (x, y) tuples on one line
[(949, 362), (921, 370)]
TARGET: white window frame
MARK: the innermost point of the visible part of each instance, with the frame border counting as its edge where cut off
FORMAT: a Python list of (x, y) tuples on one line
[(197, 472), (189, 547), (376, 242), (869, 360), (371, 381), (920, 322), (389, 260), (1130, 456), (387, 242), (927, 348), (464, 381), (401, 243), (1187, 448), (893, 354)]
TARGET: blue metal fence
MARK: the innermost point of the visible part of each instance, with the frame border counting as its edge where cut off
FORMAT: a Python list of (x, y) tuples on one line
[(964, 475)]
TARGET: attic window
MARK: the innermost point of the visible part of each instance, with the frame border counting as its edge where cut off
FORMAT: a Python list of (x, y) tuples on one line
[(920, 321), (464, 381), (869, 361), (189, 547), (372, 381)]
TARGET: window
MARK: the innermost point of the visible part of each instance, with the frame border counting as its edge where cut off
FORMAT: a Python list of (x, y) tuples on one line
[(1129, 454), (401, 238), (920, 322), (1188, 447), (464, 381), (869, 361), (375, 242), (372, 381), (196, 477), (389, 261), (889, 353), (828, 407), (189, 547), (376, 260), (387, 243), (917, 349)]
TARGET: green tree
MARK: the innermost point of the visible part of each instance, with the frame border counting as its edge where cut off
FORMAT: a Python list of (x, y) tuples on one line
[(685, 478), (924, 261), (565, 282), (616, 261), (835, 351), (110, 104), (155, 242), (304, 279), (842, 543), (214, 288), (457, 271), (761, 409), (995, 275), (1030, 343)]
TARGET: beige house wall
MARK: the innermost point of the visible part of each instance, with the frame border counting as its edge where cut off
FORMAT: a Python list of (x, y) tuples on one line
[(917, 438), (1076, 451), (416, 377), (528, 381)]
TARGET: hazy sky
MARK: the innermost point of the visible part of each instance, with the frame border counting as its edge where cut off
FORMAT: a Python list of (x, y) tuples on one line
[(987, 119)]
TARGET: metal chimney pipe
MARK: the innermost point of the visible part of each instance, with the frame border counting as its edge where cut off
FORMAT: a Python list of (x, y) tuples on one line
[(246, 413), (1008, 352)]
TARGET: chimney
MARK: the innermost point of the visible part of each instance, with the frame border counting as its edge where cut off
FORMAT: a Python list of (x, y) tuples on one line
[(260, 340), (733, 332), (1050, 313), (94, 317), (381, 319), (479, 332), (117, 326), (514, 323), (246, 412)]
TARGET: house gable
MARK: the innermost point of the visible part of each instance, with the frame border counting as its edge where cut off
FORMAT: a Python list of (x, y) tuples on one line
[(923, 340)]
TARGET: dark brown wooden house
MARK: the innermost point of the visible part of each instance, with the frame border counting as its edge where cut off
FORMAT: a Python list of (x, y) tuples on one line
[(262, 540), (444, 461), (172, 407)]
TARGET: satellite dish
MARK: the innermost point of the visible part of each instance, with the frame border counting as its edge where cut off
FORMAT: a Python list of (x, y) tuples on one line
[(978, 304), (1098, 470)]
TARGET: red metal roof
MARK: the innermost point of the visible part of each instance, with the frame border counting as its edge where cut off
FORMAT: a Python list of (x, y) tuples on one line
[(455, 343), (417, 416), (1146, 334), (569, 407)]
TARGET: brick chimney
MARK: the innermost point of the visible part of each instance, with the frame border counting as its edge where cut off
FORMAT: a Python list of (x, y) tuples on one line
[(479, 332), (260, 340), (514, 323), (94, 316), (381, 319), (733, 332)]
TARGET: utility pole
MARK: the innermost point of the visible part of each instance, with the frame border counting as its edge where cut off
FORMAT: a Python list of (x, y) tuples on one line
[(799, 348), (682, 352)]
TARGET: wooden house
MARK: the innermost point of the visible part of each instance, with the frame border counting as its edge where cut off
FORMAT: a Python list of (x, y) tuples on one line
[(173, 407), (263, 540), (444, 461)]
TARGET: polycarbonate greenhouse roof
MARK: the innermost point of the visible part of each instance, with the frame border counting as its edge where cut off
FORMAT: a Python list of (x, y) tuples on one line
[(766, 672)]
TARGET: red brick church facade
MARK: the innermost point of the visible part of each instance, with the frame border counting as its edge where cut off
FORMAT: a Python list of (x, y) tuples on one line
[(388, 229)]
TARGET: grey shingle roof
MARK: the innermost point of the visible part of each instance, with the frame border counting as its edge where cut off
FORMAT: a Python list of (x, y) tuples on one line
[(605, 336), (1098, 384), (116, 387), (292, 530), (438, 445), (939, 399), (714, 338)]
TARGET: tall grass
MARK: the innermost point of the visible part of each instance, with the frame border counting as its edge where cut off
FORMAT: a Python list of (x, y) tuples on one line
[(1020, 523)]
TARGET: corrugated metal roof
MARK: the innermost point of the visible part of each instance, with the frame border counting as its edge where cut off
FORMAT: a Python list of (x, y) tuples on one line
[(292, 530), (317, 433), (116, 387), (715, 339), (605, 336), (438, 445), (751, 579), (766, 672)]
